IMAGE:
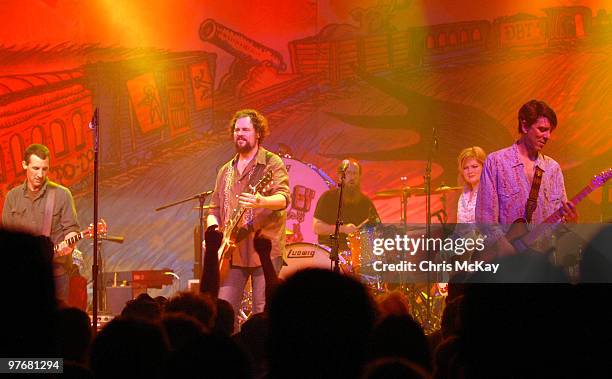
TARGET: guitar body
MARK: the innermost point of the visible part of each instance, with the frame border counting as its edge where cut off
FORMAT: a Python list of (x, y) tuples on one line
[(231, 229), (223, 251), (224, 267), (523, 239)]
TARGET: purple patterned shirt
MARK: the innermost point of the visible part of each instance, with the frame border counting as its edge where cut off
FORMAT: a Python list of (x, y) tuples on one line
[(504, 190)]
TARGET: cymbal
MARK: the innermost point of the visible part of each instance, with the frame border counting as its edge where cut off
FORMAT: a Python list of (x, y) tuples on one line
[(416, 191), (445, 188), (203, 207), (393, 192), (441, 189)]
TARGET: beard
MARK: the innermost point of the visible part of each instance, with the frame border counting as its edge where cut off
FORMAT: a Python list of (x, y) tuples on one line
[(244, 148)]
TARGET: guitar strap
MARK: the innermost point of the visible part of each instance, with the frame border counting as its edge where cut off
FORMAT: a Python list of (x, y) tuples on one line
[(48, 217), (255, 175), (532, 202), (258, 172)]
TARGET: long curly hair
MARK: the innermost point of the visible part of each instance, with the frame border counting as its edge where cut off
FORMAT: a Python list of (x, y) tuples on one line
[(260, 123)]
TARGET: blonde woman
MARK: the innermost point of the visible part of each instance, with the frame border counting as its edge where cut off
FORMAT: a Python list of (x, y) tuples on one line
[(470, 163)]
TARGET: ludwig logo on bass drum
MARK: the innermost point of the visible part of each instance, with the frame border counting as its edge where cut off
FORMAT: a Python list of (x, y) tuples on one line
[(300, 253)]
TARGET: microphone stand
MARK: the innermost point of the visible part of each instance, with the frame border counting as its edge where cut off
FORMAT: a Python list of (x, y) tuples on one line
[(201, 197), (102, 301), (98, 293), (94, 125), (427, 182), (335, 246)]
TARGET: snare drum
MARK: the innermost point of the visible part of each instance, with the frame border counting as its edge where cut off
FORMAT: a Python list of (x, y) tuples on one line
[(307, 184)]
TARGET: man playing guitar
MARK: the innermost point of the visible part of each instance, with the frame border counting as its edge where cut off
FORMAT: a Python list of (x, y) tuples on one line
[(508, 175), (262, 210), (42, 207)]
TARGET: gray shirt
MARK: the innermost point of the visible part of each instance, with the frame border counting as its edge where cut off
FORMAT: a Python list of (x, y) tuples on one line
[(26, 214)]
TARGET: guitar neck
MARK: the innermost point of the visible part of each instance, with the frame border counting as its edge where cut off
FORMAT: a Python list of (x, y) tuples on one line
[(556, 217), (74, 239), (551, 221)]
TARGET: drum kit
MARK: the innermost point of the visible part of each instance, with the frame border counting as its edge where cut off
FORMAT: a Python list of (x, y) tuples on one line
[(307, 184)]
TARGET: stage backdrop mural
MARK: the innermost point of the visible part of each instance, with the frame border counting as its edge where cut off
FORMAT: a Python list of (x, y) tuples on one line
[(369, 79)]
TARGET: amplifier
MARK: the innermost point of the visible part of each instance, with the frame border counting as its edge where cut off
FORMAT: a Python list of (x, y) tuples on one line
[(143, 278), (117, 297)]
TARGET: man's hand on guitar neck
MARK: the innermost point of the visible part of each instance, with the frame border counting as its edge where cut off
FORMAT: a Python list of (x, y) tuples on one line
[(569, 212), (66, 249)]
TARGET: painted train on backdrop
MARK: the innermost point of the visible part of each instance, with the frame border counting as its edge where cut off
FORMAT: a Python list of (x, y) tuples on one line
[(340, 51), (157, 100)]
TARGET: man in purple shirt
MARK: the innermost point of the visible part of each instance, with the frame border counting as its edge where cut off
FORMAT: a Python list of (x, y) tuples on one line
[(507, 177)]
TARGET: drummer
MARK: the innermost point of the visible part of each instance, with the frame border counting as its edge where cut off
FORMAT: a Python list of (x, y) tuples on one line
[(357, 209)]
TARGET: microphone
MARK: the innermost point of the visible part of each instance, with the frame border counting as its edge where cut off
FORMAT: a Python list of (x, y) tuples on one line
[(344, 166)]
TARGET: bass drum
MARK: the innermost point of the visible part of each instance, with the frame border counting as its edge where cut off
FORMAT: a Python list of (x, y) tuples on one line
[(307, 183), (304, 255)]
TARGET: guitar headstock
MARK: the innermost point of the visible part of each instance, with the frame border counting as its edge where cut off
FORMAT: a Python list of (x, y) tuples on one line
[(102, 228), (602, 177)]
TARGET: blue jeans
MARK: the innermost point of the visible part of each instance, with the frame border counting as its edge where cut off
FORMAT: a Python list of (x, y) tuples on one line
[(232, 287)]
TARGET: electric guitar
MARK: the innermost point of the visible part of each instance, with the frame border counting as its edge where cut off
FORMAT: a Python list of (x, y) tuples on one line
[(230, 227), (521, 239), (87, 233)]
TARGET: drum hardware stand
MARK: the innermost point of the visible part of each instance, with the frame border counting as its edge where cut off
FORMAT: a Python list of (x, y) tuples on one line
[(427, 182), (201, 197), (442, 216), (404, 219), (333, 254), (444, 219), (404, 216)]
